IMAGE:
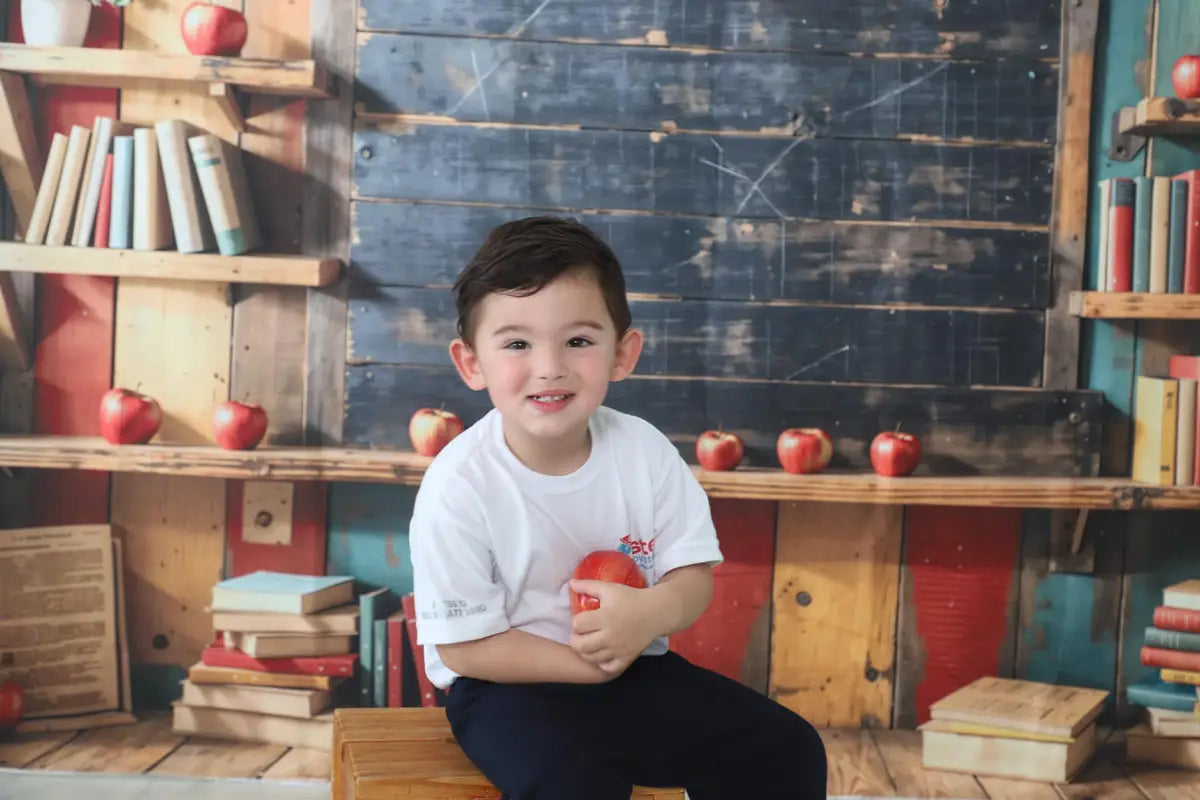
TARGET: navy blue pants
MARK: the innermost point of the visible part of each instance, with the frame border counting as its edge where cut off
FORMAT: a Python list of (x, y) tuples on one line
[(664, 722)]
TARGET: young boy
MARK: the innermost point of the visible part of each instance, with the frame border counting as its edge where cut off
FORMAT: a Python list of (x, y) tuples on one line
[(550, 706)]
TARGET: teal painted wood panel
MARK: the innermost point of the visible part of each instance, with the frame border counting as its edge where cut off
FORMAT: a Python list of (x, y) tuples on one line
[(368, 534)]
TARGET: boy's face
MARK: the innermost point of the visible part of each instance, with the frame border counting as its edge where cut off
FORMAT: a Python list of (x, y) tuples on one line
[(546, 360)]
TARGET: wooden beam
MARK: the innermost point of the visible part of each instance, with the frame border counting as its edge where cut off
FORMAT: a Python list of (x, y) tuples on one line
[(14, 347), (406, 467), (1068, 226), (20, 157), (1135, 305), (227, 102), (90, 66)]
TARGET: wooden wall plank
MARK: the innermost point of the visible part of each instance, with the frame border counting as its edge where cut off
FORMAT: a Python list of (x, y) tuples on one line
[(723, 174), (958, 602), (1002, 431), (733, 634), (728, 258), (837, 569), (173, 528), (601, 86), (1020, 28), (368, 534), (741, 340), (74, 316), (1071, 190)]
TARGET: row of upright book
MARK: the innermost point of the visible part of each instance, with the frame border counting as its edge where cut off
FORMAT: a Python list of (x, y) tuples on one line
[(287, 650), (1149, 234), (1166, 431), (161, 187)]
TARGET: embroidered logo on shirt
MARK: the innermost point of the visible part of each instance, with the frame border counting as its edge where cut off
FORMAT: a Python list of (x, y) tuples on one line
[(640, 550), (451, 609)]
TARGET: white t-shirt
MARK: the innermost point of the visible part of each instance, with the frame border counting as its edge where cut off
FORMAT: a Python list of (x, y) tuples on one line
[(494, 543)]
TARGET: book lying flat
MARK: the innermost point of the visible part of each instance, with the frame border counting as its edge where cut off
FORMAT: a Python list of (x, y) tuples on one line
[(282, 592)]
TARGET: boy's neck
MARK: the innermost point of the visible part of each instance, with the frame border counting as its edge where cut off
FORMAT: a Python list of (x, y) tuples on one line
[(560, 456)]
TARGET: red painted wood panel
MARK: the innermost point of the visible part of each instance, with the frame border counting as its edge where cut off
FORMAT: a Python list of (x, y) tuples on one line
[(961, 562), (731, 636), (305, 554), (73, 357)]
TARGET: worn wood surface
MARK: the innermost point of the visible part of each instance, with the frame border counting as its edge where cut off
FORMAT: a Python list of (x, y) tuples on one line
[(961, 347), (122, 748), (963, 431), (1020, 28), (1135, 305), (325, 217), (860, 179), (833, 640), (208, 758), (601, 86), (300, 764), (1068, 236), (727, 258), (854, 764), (958, 602), (901, 754)]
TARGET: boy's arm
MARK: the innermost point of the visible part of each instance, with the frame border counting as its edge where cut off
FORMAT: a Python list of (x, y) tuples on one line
[(680, 597), (519, 657)]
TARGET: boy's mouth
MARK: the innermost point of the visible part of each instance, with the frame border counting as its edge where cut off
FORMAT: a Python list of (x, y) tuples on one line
[(551, 401)]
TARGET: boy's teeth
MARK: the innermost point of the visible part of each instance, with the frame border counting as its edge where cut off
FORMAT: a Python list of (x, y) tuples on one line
[(550, 398)]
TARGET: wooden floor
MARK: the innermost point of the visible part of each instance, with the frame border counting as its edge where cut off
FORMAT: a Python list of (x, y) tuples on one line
[(865, 763)]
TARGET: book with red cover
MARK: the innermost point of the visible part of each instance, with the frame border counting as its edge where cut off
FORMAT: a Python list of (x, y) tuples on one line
[(1120, 235), (1170, 659), (395, 660), (218, 655), (428, 690), (1191, 247), (1176, 619), (104, 209)]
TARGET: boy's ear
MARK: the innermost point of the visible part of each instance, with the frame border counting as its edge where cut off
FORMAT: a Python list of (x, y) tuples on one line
[(467, 364), (628, 350)]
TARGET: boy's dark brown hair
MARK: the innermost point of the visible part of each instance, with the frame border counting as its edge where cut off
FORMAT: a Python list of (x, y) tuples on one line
[(522, 256)]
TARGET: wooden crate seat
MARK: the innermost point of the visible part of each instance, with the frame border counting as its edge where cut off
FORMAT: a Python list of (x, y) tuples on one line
[(385, 753)]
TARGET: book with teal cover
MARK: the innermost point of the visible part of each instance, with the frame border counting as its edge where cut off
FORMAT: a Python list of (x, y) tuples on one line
[(265, 590), (1154, 692), (1141, 233)]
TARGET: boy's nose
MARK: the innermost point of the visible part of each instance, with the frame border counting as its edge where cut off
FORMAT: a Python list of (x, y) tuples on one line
[(551, 367)]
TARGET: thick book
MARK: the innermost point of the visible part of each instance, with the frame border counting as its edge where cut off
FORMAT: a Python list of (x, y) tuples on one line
[(340, 666), (202, 673), (282, 592), (1176, 619), (339, 619)]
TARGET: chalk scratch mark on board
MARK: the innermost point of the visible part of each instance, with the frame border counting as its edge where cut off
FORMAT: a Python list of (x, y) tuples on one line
[(770, 168), (746, 178), (888, 95), (478, 87), (843, 349), (517, 31)]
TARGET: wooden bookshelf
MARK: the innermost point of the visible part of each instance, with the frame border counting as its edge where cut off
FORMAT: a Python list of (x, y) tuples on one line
[(169, 264), (1135, 305), (117, 68), (1160, 116), (405, 467)]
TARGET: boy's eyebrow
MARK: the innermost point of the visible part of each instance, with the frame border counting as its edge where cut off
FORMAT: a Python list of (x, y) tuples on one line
[(583, 323)]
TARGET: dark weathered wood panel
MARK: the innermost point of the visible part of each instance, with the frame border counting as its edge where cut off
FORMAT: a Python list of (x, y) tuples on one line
[(645, 88), (700, 174), (750, 340), (729, 258), (958, 28), (963, 431)]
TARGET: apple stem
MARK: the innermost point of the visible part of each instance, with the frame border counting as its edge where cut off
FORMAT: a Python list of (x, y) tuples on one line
[(897, 427)]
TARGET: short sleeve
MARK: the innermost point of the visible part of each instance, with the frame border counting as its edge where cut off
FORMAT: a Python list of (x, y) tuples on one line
[(454, 591), (682, 517)]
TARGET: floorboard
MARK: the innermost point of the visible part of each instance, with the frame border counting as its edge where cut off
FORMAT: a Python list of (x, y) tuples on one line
[(300, 764), (215, 758)]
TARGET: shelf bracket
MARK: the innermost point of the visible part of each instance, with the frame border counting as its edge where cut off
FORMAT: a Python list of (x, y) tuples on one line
[(1124, 145), (1068, 553), (228, 101)]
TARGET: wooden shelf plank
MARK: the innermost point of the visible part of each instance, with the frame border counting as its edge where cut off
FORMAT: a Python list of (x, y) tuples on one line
[(1160, 116), (397, 466), (1135, 305), (169, 264), (115, 68)]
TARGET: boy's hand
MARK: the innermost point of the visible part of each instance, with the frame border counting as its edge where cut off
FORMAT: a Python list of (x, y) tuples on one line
[(615, 634)]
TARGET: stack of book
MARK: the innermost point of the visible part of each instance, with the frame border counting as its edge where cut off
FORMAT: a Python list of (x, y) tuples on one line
[(1013, 728), (284, 646), (1170, 733)]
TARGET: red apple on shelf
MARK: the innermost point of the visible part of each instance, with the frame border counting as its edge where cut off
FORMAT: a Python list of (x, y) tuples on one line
[(431, 429), (12, 704), (1185, 76), (895, 453), (213, 30), (719, 450), (239, 426), (804, 450), (128, 417), (612, 566)]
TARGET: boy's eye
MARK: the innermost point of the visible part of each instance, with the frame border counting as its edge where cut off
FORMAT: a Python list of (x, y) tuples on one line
[(516, 344), (579, 341)]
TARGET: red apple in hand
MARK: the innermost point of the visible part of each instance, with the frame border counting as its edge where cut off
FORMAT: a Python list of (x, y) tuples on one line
[(431, 429), (612, 566), (213, 30), (804, 450), (1185, 77), (719, 450), (12, 704), (239, 426), (894, 453), (128, 417)]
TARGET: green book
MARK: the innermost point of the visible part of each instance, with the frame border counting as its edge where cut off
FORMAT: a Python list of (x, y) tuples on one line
[(1142, 197)]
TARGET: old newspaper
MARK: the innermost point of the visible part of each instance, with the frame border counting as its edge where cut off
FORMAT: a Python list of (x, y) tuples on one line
[(60, 607)]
